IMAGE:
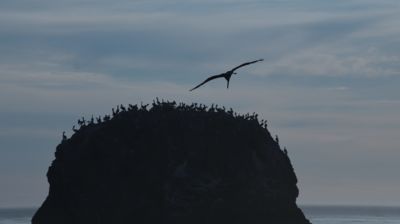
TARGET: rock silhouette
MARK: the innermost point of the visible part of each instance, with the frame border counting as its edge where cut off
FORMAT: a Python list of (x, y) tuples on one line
[(171, 164)]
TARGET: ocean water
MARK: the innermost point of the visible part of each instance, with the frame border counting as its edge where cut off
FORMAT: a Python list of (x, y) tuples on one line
[(352, 214), (316, 214), (16, 216)]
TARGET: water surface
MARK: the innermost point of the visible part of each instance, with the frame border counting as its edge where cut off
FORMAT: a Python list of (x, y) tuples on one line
[(316, 214)]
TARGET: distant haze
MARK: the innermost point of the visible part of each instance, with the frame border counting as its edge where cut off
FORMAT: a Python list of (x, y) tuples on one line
[(329, 85)]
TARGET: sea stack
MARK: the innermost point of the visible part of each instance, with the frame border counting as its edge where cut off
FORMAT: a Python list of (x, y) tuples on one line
[(171, 164)]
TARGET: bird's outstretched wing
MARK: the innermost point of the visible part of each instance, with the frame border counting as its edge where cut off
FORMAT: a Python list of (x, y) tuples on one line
[(208, 79), (247, 63)]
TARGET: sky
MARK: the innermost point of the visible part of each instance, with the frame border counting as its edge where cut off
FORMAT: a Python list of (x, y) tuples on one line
[(328, 86)]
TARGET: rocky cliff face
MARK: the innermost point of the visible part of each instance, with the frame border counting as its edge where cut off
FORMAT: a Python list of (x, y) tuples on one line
[(171, 164)]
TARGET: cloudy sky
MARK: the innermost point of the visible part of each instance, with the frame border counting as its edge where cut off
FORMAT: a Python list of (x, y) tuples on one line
[(328, 85)]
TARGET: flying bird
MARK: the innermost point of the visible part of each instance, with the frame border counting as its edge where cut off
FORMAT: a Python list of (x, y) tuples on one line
[(227, 75)]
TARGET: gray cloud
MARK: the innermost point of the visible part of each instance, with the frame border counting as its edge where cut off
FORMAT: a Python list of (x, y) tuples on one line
[(294, 37), (329, 85)]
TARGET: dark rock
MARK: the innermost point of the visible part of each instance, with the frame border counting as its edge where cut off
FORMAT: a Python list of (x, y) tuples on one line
[(171, 164)]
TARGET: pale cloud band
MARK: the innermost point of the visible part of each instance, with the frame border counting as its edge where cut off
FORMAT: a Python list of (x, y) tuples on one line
[(328, 86)]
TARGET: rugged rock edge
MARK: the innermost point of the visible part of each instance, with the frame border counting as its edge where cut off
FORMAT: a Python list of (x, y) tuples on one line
[(171, 163)]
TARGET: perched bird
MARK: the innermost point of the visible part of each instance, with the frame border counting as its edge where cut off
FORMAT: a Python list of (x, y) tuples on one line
[(227, 75), (64, 137)]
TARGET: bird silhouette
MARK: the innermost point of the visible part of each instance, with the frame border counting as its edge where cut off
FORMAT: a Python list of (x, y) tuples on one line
[(227, 75)]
